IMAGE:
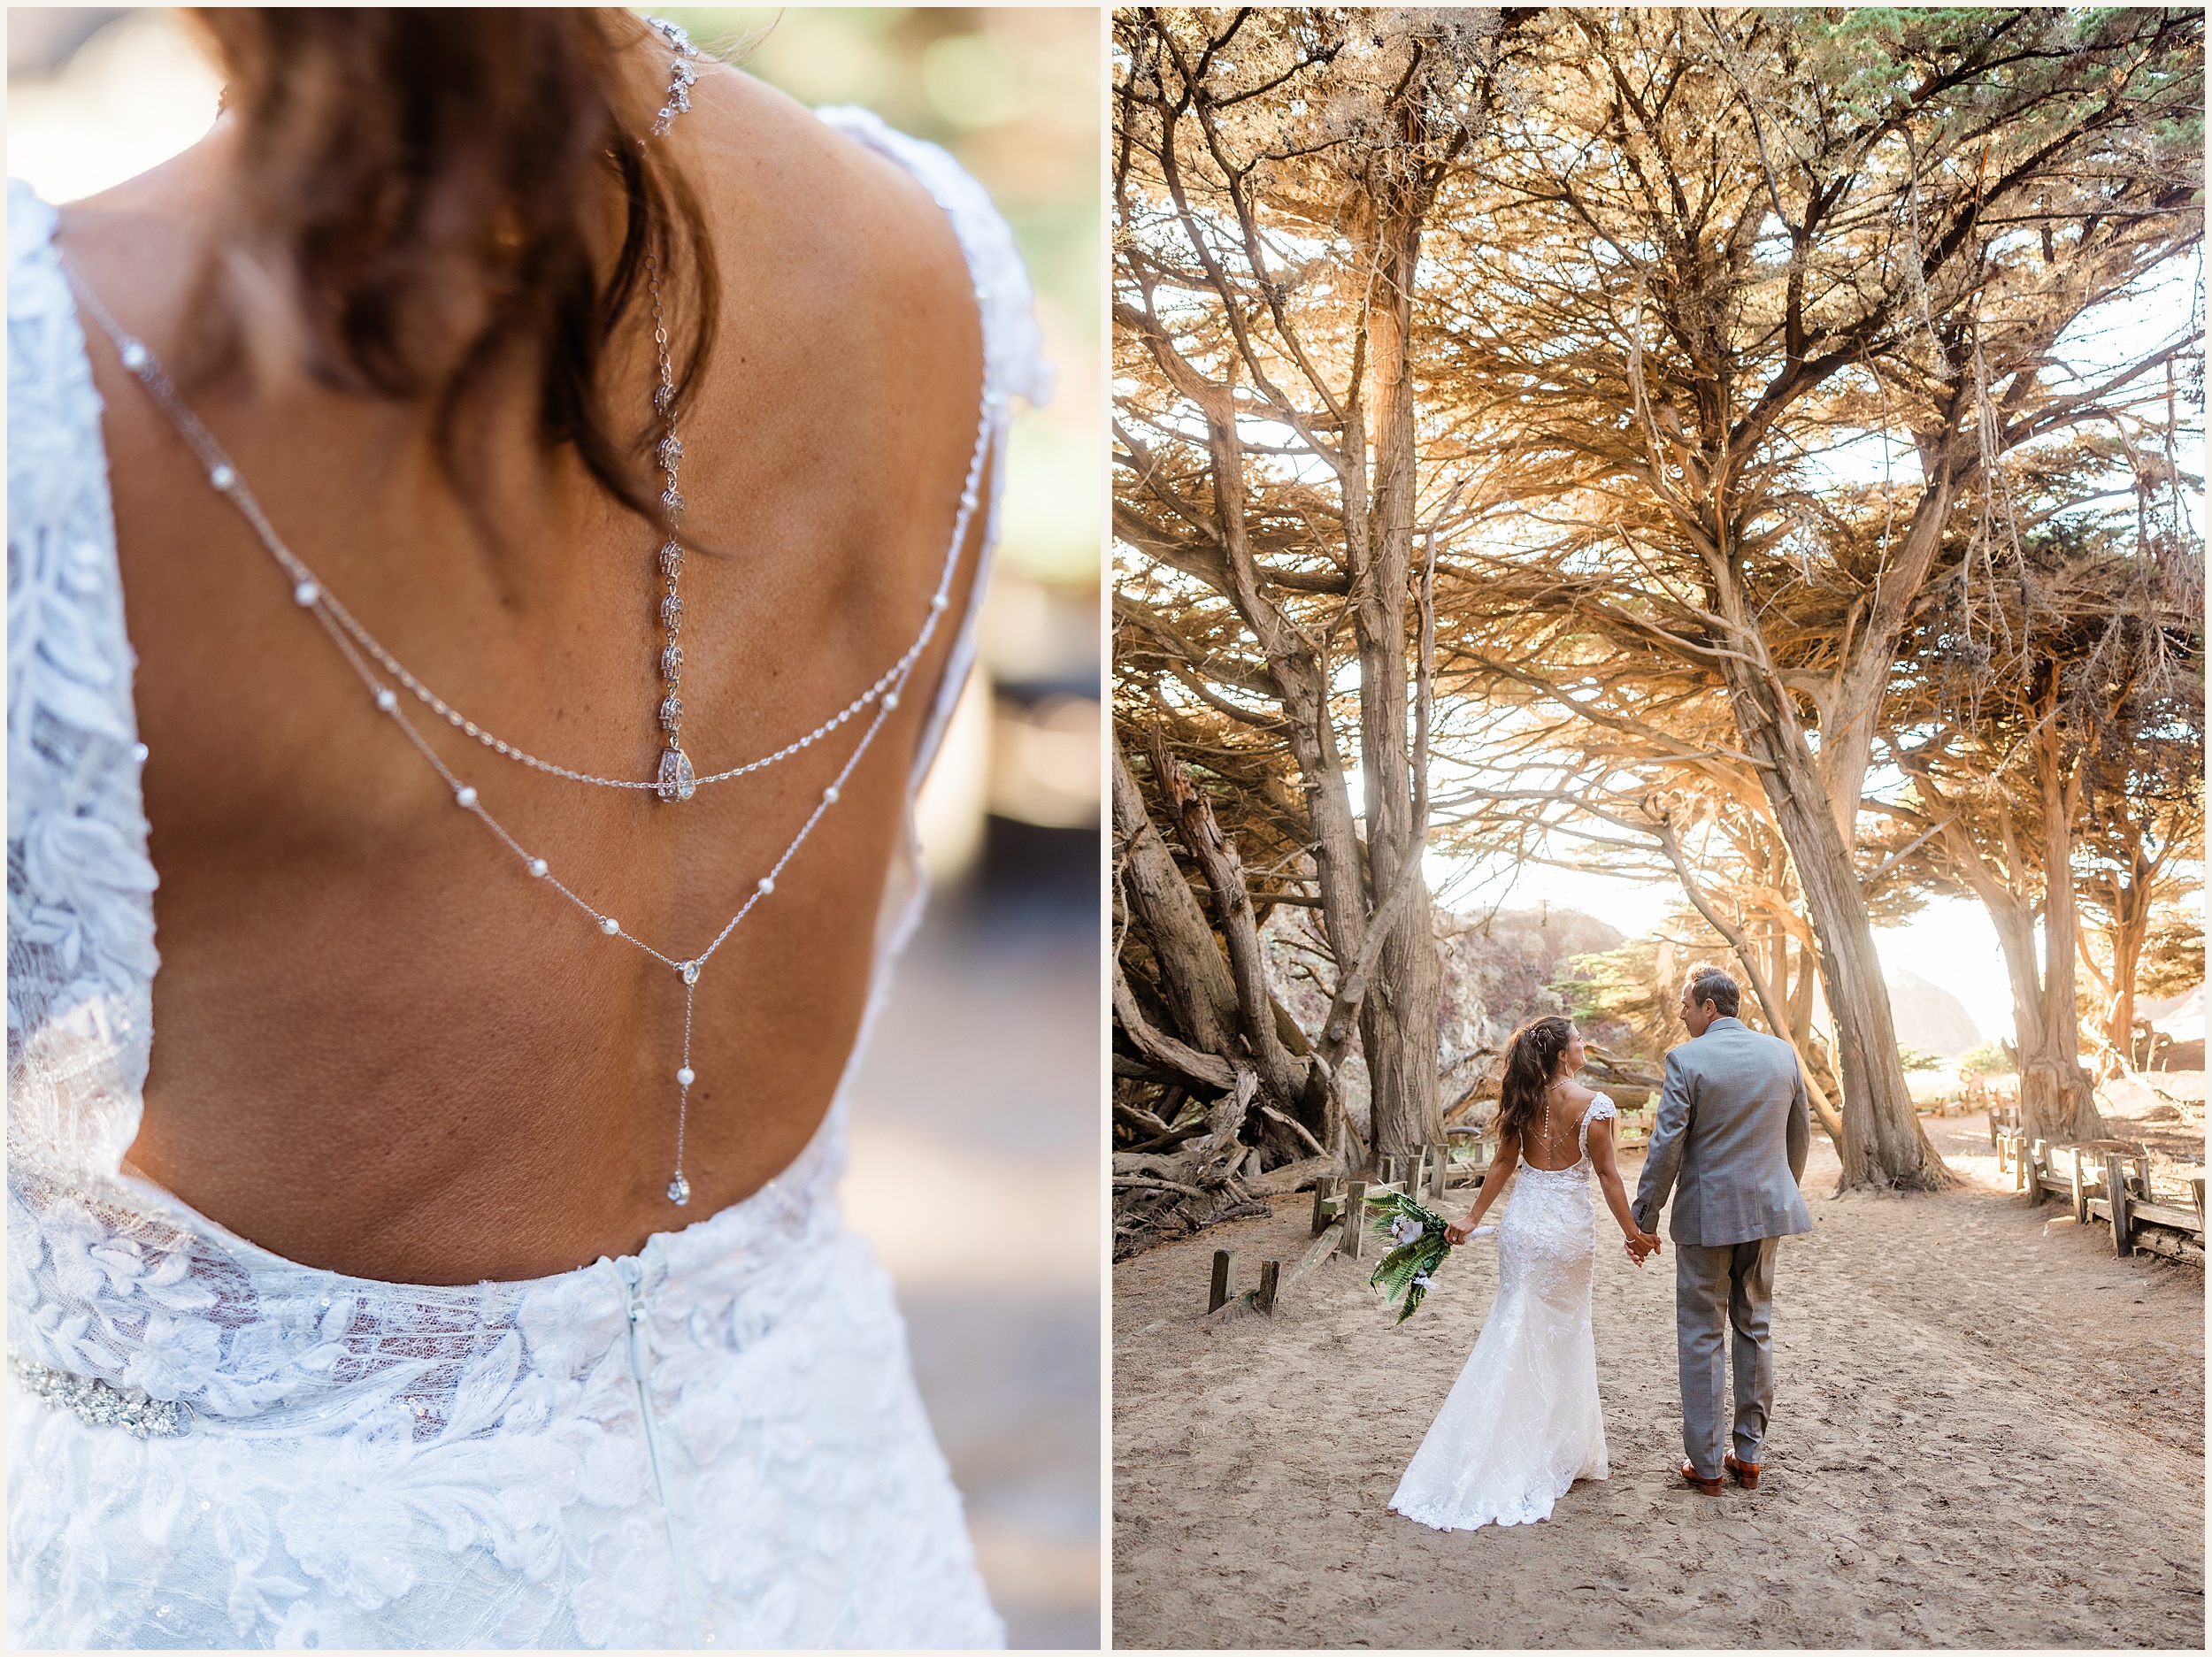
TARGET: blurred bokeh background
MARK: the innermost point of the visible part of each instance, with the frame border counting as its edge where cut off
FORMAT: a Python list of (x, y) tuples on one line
[(974, 1170)]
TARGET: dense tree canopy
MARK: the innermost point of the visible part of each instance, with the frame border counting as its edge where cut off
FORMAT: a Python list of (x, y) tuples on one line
[(1636, 434)]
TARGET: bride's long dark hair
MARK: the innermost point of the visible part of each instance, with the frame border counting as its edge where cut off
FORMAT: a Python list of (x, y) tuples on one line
[(1532, 1058), (429, 177)]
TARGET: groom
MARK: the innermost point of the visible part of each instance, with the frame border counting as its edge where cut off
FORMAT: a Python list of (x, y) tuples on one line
[(1730, 1139)]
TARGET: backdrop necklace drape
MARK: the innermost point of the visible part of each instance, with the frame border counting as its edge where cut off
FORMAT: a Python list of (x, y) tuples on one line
[(675, 779)]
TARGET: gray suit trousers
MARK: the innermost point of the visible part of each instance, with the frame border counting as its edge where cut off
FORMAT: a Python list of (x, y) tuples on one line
[(1731, 1284)]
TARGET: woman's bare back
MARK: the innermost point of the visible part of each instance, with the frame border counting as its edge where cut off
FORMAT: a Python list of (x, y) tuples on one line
[(381, 1047), (1564, 1106)]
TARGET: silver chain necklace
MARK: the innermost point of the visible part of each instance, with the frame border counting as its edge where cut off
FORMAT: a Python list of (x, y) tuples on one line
[(675, 779)]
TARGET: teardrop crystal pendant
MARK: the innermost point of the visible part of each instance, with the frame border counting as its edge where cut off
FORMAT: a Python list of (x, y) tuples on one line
[(679, 1191), (677, 779)]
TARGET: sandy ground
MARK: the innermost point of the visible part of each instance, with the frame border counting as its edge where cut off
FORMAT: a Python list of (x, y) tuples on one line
[(974, 1171), (1988, 1432)]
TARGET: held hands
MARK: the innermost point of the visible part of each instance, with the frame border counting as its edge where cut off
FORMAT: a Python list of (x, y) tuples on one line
[(1642, 1245)]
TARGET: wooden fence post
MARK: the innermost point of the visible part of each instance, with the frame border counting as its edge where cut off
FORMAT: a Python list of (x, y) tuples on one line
[(2019, 1162), (2039, 1155), (1992, 1133), (2081, 1191), (1354, 1217), (1224, 1284), (2115, 1196), (1323, 1188), (1270, 1275), (2196, 1190)]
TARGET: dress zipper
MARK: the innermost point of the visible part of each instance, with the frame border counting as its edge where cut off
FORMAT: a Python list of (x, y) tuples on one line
[(632, 1271)]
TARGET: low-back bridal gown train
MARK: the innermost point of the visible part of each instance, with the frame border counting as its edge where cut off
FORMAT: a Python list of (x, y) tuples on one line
[(1523, 1421), (715, 1441)]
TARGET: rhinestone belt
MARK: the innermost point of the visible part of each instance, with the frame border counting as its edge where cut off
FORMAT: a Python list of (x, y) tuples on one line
[(101, 1405)]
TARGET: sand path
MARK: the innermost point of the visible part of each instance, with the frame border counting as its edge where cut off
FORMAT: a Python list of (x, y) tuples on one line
[(1988, 1431)]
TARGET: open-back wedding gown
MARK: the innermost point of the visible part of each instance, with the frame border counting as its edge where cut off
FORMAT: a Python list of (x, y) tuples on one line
[(1522, 1422), (715, 1441)]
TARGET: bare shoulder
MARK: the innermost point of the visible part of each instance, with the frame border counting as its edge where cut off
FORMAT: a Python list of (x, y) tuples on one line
[(794, 199)]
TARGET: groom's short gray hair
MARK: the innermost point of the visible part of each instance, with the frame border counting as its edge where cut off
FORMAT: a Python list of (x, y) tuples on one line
[(1709, 984)]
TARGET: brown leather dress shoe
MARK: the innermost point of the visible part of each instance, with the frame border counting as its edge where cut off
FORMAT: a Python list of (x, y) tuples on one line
[(1747, 1473), (1710, 1486)]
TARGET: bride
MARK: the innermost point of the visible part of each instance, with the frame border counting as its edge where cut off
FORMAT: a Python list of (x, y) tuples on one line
[(496, 528), (1523, 1421)]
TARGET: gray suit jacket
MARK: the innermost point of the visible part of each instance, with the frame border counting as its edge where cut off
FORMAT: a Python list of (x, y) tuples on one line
[(1730, 1139)]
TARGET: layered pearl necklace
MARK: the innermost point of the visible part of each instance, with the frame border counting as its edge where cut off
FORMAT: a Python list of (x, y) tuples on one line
[(675, 779)]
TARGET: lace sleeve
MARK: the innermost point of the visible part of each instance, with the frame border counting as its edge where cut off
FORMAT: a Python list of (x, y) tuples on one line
[(1601, 1110)]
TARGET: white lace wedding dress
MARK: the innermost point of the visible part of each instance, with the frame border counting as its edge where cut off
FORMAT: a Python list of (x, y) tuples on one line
[(1522, 1422), (716, 1442)]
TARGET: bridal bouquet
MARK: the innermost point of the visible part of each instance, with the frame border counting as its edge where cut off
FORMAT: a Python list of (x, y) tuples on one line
[(1421, 1249)]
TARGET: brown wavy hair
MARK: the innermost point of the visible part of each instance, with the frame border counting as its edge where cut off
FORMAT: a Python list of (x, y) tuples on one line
[(1532, 1056), (429, 179)]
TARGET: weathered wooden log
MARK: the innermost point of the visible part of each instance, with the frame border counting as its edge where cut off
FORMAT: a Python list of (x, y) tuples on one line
[(1178, 1057), (1286, 1075), (1141, 1119), (1159, 1167), (1271, 1277), (1323, 1246), (1194, 978), (2141, 1214), (1167, 1141), (1123, 1182), (1295, 1127), (1280, 1182), (2166, 1243)]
